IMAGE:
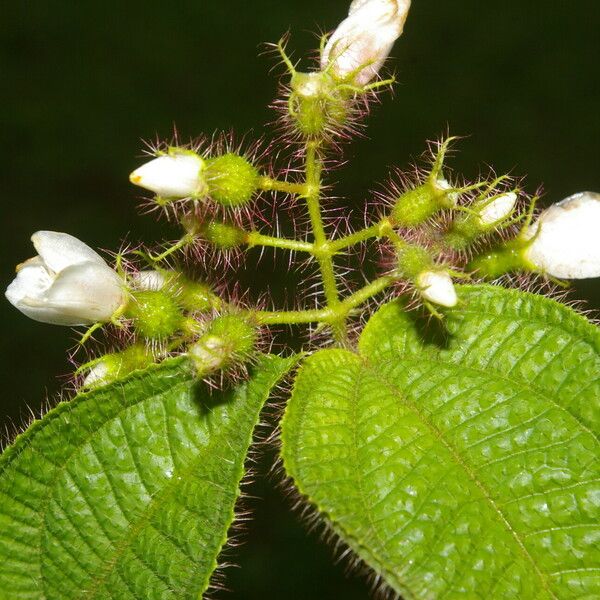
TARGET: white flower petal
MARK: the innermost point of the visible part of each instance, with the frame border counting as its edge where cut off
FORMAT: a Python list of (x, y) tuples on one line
[(365, 38), (148, 280), (87, 293), (498, 209), (437, 287), (568, 240), (172, 176), (32, 281), (97, 375), (61, 250)]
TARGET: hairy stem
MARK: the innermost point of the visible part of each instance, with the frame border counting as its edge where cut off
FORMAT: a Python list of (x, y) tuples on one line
[(329, 315), (321, 249), (380, 229), (258, 239), (269, 184)]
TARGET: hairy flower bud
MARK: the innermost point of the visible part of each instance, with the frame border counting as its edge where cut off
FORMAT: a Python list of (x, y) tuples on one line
[(155, 314), (178, 174), (361, 43), (224, 236), (66, 284), (565, 240), (118, 364), (417, 205), (148, 280), (437, 287), (232, 179), (499, 209), (227, 340)]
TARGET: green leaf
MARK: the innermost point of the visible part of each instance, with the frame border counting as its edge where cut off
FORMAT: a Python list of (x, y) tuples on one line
[(127, 492), (464, 465)]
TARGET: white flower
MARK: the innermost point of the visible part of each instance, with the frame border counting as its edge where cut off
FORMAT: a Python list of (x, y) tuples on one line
[(66, 284), (437, 287), (566, 240), (362, 42), (176, 175), (498, 209)]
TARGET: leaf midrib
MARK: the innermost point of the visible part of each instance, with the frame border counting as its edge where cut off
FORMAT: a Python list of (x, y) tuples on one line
[(469, 472), (60, 469)]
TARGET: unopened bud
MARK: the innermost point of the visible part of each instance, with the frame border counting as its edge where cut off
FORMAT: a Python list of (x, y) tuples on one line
[(232, 179), (113, 366), (415, 206), (224, 236), (155, 313), (178, 174), (437, 287), (148, 280), (227, 340), (498, 210)]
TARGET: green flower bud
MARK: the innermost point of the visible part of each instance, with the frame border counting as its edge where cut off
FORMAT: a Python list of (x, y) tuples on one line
[(227, 340), (113, 366), (224, 236), (419, 204), (196, 296), (155, 314), (315, 104), (465, 229), (505, 259), (413, 260), (232, 179)]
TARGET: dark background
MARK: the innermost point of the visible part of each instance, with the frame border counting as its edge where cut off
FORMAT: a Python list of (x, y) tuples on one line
[(83, 82)]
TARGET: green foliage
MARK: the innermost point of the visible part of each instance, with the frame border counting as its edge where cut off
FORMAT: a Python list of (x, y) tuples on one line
[(459, 464), (128, 491)]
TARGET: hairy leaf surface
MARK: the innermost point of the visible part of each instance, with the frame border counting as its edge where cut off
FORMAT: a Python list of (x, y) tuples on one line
[(463, 465), (127, 492)]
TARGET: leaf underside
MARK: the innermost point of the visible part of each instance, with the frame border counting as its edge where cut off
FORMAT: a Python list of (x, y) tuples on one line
[(127, 492), (459, 465)]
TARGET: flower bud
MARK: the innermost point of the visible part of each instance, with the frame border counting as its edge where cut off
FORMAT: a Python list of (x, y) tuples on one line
[(227, 340), (417, 205), (155, 313), (224, 236), (178, 174), (361, 43), (148, 280), (412, 260), (499, 209), (565, 240), (232, 179), (437, 287), (316, 104), (113, 366), (66, 284)]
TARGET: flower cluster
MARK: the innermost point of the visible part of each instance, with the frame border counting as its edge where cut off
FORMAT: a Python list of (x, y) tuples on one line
[(432, 228)]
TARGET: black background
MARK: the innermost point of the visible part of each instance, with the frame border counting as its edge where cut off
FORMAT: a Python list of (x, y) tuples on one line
[(83, 82)]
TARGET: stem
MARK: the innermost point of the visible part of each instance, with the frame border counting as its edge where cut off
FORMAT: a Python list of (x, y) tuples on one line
[(268, 184), (371, 289), (321, 249), (291, 317), (257, 239), (378, 230), (331, 316)]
